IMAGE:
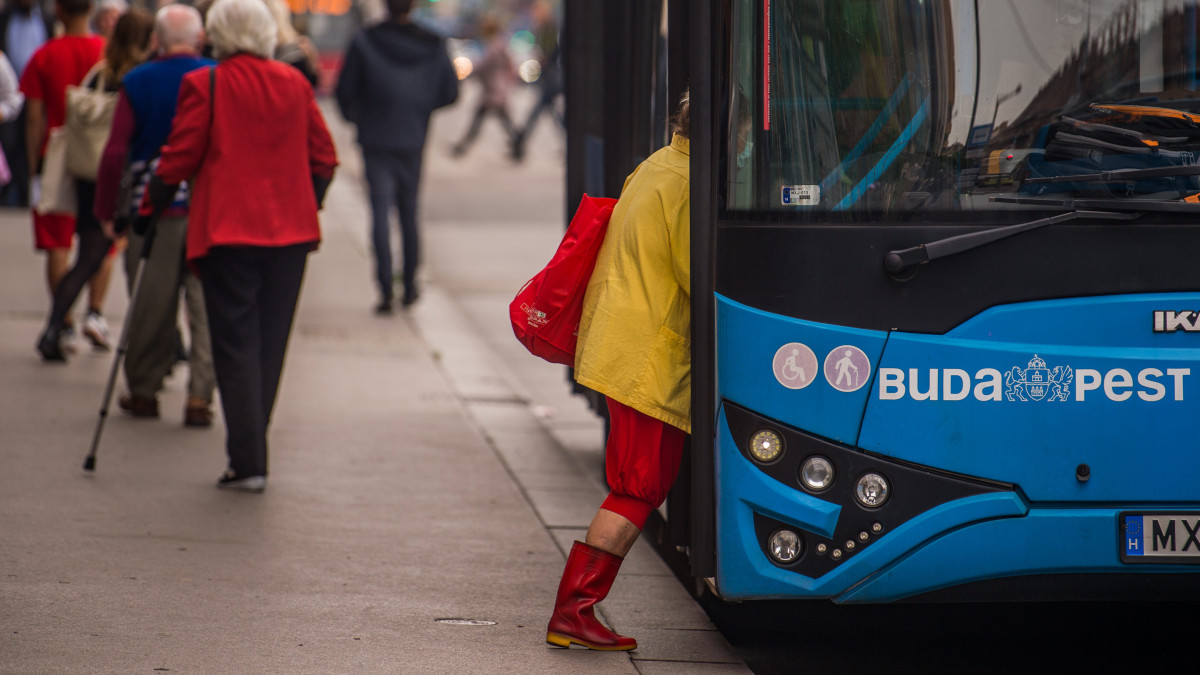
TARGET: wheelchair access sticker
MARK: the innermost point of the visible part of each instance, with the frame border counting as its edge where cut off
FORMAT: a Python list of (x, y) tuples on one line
[(795, 365)]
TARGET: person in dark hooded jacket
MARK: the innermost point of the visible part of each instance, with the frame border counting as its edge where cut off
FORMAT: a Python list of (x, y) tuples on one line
[(394, 76)]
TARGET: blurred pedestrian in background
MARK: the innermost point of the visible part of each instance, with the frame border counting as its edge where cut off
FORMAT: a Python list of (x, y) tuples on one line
[(25, 25), (498, 75), (104, 17), (291, 47), (395, 75), (550, 79), (634, 347), (249, 137), (12, 101), (93, 260), (140, 127), (60, 62)]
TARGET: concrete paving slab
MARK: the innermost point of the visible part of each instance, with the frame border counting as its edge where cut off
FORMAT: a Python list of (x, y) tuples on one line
[(689, 668), (691, 646)]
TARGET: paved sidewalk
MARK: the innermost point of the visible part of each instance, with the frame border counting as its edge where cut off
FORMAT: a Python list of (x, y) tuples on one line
[(423, 468)]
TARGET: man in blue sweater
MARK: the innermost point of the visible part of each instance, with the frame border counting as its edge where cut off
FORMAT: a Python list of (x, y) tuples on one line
[(141, 125), (394, 76)]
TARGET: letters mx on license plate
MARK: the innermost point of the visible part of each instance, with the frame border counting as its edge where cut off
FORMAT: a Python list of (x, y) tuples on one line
[(1160, 538)]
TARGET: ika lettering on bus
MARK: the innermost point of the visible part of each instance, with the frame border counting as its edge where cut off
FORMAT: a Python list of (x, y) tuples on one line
[(1170, 321)]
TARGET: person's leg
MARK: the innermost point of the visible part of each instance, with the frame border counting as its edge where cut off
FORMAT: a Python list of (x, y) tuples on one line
[(13, 133), (58, 263), (98, 284), (150, 351), (461, 147), (277, 300), (134, 243), (612, 532), (201, 378), (506, 121), (522, 135), (381, 187), (641, 462), (408, 178), (93, 246), (232, 278), (95, 328), (54, 234)]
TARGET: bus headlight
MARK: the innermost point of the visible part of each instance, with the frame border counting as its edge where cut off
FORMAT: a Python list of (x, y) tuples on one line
[(872, 490), (785, 546), (816, 474), (766, 446)]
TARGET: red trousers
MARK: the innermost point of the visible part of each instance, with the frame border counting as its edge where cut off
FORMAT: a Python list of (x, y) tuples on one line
[(640, 462)]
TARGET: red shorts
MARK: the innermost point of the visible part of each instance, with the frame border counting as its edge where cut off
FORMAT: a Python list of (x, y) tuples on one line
[(53, 230), (640, 462)]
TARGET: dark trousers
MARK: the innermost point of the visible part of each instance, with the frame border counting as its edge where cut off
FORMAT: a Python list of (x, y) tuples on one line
[(392, 179), (501, 113), (12, 139), (93, 248), (250, 293)]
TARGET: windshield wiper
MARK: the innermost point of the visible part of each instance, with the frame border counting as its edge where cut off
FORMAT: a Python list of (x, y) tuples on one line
[(1106, 204), (898, 261), (1122, 174)]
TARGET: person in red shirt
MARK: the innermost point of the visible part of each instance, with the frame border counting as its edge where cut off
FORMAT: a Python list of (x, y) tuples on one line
[(60, 62), (252, 144)]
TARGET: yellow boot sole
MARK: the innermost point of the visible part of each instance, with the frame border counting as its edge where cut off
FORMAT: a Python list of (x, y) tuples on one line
[(560, 640)]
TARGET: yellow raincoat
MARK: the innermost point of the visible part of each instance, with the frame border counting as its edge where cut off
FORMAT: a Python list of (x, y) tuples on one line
[(635, 334)]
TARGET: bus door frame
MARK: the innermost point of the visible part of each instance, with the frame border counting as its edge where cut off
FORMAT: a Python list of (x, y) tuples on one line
[(706, 31)]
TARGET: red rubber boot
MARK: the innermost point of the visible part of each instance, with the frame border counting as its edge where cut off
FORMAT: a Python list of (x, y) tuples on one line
[(588, 576)]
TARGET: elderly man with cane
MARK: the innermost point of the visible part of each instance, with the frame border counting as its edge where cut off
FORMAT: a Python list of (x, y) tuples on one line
[(142, 121)]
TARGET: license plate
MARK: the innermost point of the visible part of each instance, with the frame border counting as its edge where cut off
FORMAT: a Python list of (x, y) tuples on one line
[(1160, 538)]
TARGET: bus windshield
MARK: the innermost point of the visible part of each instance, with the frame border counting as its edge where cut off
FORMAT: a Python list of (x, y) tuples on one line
[(920, 106)]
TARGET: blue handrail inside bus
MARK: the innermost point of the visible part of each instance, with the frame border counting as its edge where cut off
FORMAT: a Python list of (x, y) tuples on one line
[(868, 138), (886, 161)]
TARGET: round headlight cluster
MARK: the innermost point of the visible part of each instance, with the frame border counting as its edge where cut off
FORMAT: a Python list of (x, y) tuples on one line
[(785, 546), (872, 490), (816, 473), (766, 446)]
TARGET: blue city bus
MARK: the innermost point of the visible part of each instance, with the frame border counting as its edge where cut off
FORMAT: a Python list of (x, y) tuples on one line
[(946, 302)]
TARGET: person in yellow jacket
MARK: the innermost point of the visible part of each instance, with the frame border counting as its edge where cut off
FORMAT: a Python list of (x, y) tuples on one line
[(635, 348)]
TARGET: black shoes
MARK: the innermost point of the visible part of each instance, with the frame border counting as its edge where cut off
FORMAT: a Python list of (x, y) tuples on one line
[(231, 481), (407, 298), (50, 349), (410, 295)]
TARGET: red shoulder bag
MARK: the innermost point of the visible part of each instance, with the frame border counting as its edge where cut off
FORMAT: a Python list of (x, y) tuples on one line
[(546, 312)]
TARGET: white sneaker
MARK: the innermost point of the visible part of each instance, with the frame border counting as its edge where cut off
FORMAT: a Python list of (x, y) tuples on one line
[(95, 328), (67, 340)]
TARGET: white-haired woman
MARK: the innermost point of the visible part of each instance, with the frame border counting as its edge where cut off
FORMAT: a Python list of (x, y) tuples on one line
[(254, 148)]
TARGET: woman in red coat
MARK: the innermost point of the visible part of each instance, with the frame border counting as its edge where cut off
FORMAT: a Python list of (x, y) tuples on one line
[(251, 143)]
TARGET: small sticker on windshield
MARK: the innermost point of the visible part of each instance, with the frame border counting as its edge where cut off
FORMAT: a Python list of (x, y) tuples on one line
[(801, 195)]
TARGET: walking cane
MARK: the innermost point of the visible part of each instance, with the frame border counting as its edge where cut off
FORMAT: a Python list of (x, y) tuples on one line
[(89, 464)]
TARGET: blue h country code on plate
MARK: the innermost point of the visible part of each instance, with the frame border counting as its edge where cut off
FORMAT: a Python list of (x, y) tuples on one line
[(1162, 535)]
